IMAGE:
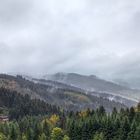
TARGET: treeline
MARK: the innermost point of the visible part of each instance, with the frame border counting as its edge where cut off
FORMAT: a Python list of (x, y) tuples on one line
[(85, 125), (20, 106), (36, 120)]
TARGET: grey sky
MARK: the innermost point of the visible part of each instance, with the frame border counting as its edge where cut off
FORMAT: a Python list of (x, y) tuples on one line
[(86, 36)]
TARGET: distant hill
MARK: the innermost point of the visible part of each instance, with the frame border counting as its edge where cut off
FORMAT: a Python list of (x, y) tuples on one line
[(94, 84), (133, 82), (55, 93)]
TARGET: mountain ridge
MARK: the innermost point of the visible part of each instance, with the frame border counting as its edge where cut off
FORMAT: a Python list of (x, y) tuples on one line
[(94, 83), (67, 97)]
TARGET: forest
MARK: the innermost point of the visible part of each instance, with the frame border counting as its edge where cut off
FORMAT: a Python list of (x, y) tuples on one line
[(33, 119)]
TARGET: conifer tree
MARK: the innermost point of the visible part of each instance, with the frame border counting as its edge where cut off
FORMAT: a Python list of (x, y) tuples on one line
[(99, 136), (66, 137), (42, 137), (57, 134)]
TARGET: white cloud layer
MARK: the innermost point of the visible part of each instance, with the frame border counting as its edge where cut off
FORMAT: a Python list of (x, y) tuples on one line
[(86, 36)]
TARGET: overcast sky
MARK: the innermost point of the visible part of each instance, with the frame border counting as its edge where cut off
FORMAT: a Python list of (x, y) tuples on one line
[(100, 37)]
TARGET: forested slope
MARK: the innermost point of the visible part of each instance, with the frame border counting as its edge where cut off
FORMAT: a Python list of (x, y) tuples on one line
[(21, 105), (67, 97), (83, 125)]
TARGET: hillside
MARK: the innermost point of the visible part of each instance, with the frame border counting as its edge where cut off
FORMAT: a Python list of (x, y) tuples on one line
[(94, 84), (67, 97), (41, 122), (17, 106)]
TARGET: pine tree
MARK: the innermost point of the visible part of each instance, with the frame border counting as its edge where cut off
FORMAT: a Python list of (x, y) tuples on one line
[(24, 137), (99, 136), (30, 134), (42, 137), (57, 134), (2, 136), (14, 134), (137, 133), (131, 114), (101, 111), (66, 137)]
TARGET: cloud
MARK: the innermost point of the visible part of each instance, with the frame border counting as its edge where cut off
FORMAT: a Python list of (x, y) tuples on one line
[(85, 36)]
